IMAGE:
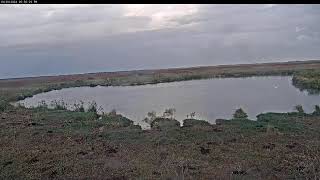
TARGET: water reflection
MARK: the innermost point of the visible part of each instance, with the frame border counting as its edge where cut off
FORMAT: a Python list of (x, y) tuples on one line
[(210, 99)]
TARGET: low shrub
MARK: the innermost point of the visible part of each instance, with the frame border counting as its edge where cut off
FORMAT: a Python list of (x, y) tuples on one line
[(195, 122), (3, 105), (116, 121), (300, 109), (164, 124)]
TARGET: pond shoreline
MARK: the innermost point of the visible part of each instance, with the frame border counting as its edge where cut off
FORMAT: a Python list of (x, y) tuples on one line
[(210, 99), (21, 88)]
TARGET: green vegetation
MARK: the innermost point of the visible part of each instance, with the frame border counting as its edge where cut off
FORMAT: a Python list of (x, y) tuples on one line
[(307, 80), (116, 120), (61, 105), (195, 123), (4, 105), (51, 143), (164, 124)]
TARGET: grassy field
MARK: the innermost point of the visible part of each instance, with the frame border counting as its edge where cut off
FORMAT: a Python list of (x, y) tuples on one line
[(42, 143), (59, 144)]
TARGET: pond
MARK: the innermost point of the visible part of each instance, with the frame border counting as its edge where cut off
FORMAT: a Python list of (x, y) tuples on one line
[(209, 99)]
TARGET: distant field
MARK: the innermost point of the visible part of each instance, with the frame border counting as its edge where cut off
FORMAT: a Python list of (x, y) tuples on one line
[(20, 88), (203, 70)]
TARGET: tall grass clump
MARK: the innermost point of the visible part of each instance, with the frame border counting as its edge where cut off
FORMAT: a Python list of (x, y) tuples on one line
[(59, 105), (299, 109), (164, 122), (151, 116), (93, 107), (316, 111), (78, 107), (240, 114)]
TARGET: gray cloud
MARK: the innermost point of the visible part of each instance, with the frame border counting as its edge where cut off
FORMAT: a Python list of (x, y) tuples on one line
[(62, 39)]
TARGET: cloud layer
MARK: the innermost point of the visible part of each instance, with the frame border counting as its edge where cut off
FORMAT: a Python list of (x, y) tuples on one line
[(62, 39)]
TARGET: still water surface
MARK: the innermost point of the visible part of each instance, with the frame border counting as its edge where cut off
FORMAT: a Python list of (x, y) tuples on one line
[(210, 99)]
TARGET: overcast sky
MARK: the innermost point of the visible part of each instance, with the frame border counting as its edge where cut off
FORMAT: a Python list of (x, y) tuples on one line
[(63, 39)]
